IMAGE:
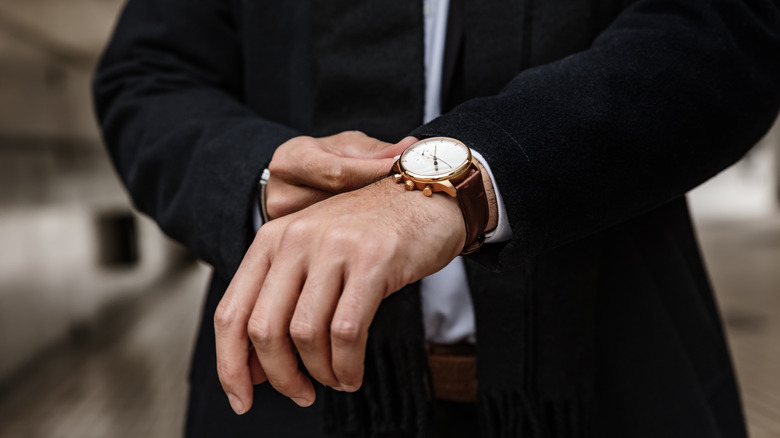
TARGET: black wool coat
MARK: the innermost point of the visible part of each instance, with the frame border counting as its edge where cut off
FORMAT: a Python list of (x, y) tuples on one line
[(596, 117)]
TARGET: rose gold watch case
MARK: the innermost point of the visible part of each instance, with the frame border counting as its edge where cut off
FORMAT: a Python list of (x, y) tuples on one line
[(430, 184)]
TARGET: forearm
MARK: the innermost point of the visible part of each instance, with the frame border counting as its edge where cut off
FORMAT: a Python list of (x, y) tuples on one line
[(188, 150), (199, 181)]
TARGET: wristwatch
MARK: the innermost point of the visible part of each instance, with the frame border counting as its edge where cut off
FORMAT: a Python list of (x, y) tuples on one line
[(443, 164)]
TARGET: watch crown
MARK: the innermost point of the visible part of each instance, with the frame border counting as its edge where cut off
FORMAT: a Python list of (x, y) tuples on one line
[(409, 185), (427, 190), (397, 178)]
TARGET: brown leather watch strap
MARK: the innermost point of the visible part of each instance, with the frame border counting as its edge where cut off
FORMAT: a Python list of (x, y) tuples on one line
[(474, 206)]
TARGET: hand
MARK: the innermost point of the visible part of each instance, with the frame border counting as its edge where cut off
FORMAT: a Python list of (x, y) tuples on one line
[(313, 280), (306, 170)]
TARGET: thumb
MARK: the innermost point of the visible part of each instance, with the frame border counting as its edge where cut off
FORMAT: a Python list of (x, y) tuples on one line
[(394, 150), (377, 168), (363, 171)]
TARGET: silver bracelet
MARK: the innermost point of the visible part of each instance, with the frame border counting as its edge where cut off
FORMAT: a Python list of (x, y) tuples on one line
[(261, 185)]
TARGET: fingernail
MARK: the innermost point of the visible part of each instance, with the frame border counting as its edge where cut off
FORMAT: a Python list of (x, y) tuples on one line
[(236, 404), (302, 402), (350, 388)]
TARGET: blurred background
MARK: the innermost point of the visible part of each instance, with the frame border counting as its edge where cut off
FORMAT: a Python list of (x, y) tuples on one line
[(98, 310)]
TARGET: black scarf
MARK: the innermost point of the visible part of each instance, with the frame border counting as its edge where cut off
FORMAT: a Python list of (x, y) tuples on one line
[(534, 326)]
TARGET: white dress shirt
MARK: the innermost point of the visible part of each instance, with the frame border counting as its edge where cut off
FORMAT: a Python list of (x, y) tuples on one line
[(448, 313)]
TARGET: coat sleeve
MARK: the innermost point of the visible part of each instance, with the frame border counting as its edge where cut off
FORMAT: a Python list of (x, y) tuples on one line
[(671, 93), (187, 149)]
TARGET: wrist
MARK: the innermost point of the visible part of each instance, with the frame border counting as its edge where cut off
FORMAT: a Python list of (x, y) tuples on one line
[(442, 164), (440, 213)]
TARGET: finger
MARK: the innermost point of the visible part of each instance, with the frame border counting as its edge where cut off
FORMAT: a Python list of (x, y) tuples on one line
[(353, 144), (310, 323), (230, 320), (349, 328), (269, 331), (394, 150), (255, 370), (282, 198), (333, 174)]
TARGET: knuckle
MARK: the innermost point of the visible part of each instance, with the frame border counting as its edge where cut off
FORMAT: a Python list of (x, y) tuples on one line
[(297, 230), (261, 333), (265, 236), (303, 147), (268, 231), (346, 331), (308, 142), (337, 176), (284, 158), (296, 142), (355, 134), (277, 206), (275, 166), (337, 238), (376, 248), (224, 316), (303, 333), (343, 236), (279, 164)]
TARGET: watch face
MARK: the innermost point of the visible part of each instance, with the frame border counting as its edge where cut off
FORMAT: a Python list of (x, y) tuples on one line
[(436, 157)]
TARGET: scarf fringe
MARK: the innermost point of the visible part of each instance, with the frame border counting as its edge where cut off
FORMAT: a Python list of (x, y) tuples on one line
[(513, 414), (379, 406)]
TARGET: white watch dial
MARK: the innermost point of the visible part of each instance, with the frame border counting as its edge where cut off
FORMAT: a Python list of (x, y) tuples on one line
[(434, 157)]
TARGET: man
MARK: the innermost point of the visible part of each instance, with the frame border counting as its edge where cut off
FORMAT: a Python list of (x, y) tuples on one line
[(593, 118)]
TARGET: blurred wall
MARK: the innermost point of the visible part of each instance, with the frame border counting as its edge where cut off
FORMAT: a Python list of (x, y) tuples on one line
[(69, 242), (746, 191)]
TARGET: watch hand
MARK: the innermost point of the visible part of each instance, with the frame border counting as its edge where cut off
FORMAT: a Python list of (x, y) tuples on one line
[(448, 164)]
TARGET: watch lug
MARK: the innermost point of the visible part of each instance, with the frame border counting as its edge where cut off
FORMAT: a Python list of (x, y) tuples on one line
[(446, 187)]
